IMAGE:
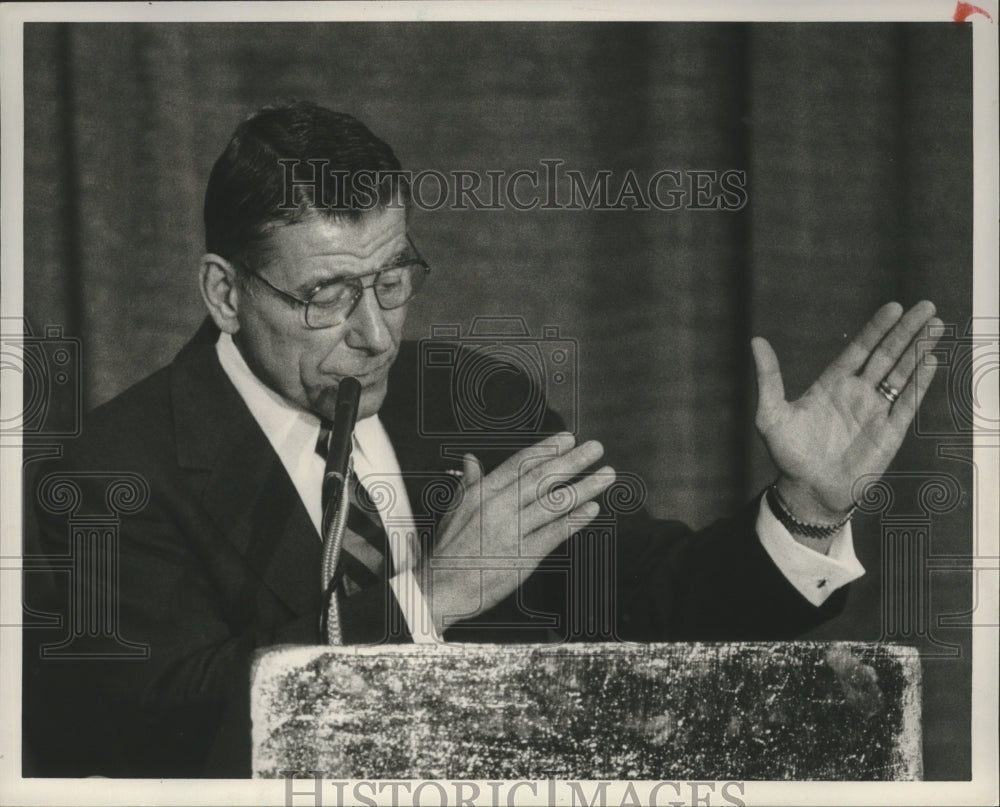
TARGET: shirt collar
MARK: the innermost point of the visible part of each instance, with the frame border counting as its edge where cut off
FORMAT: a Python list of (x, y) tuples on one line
[(287, 426)]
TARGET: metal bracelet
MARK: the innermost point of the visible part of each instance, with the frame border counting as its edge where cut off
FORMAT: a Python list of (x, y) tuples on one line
[(797, 527)]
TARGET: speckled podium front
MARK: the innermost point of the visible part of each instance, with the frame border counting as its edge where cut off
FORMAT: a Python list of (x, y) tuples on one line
[(602, 711)]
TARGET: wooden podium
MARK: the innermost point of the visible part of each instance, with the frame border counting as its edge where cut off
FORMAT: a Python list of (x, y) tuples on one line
[(789, 711)]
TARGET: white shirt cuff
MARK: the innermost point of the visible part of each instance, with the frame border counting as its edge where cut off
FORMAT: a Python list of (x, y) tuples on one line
[(415, 608), (814, 575)]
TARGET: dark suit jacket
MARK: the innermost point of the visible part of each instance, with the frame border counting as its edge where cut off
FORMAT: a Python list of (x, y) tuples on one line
[(223, 560)]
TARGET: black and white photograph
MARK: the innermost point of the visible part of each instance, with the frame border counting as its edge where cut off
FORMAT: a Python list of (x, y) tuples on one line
[(428, 403)]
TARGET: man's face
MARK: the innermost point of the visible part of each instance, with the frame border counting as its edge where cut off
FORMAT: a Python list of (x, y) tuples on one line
[(305, 366)]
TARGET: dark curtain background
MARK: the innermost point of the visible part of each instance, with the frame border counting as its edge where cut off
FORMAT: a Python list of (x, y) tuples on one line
[(857, 144)]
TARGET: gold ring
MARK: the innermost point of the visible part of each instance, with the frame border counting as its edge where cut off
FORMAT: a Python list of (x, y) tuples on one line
[(890, 393)]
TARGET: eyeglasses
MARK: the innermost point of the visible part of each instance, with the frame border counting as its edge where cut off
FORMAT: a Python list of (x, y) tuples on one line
[(332, 302)]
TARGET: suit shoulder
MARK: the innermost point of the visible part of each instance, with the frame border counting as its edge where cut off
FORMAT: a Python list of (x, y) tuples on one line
[(135, 421), (470, 389)]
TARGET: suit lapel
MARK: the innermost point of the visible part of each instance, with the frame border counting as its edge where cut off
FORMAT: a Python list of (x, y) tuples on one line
[(423, 458), (248, 493)]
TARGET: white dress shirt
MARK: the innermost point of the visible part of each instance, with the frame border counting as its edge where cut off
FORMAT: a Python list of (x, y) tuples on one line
[(293, 433), (815, 575)]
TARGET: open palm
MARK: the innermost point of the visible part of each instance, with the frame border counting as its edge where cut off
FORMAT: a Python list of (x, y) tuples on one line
[(845, 426)]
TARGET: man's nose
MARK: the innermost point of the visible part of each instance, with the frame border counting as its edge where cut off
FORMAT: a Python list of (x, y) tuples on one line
[(366, 325)]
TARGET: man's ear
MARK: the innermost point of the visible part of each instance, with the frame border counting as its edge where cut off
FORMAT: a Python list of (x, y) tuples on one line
[(217, 280)]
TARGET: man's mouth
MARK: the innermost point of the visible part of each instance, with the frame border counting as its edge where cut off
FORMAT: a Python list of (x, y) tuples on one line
[(372, 374)]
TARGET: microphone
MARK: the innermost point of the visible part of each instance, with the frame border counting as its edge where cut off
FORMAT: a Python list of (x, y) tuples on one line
[(345, 413), (338, 455)]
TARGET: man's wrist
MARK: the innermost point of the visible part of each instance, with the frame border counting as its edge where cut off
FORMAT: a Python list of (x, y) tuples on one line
[(802, 515), (449, 595), (805, 505)]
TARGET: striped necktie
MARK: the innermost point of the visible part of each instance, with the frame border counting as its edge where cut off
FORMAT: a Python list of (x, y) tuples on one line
[(364, 557)]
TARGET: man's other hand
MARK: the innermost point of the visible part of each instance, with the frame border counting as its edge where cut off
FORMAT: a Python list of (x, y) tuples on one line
[(509, 520), (847, 423)]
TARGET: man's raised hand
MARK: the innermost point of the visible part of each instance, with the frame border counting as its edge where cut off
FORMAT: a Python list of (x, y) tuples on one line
[(510, 519), (846, 424)]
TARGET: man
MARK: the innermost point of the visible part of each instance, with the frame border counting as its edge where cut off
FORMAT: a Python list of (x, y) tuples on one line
[(307, 283)]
